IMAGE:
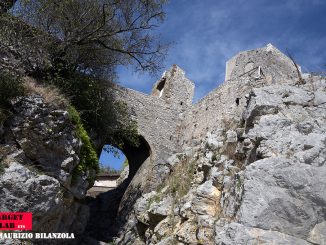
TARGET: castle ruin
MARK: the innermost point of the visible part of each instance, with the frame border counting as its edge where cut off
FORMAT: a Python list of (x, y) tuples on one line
[(169, 123)]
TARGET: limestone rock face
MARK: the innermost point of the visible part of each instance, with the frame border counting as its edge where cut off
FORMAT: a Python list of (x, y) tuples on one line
[(34, 129), (38, 152), (318, 234), (20, 187), (285, 191), (235, 233)]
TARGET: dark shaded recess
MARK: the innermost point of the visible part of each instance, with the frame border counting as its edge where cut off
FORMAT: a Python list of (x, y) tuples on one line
[(161, 84), (5, 5), (253, 153), (136, 155), (104, 222)]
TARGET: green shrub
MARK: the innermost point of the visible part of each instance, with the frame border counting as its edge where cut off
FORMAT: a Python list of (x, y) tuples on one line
[(125, 164), (88, 156), (106, 119), (10, 87), (180, 180)]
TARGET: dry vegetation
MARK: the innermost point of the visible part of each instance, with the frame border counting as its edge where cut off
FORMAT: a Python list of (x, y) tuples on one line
[(50, 94), (180, 180)]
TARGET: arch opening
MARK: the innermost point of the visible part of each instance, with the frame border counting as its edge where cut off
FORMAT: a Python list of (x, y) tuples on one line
[(112, 160), (104, 207), (112, 163), (136, 155)]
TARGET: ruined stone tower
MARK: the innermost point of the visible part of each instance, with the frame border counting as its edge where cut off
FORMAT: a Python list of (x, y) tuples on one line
[(174, 88), (266, 63)]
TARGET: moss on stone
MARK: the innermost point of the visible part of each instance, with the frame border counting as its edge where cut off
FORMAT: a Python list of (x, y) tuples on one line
[(88, 157)]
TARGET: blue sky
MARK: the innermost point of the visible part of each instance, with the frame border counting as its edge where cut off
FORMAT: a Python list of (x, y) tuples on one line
[(206, 33), (108, 159)]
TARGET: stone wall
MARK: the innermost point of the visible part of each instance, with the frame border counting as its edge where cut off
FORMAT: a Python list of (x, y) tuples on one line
[(167, 119), (159, 122), (266, 66), (170, 123), (159, 117)]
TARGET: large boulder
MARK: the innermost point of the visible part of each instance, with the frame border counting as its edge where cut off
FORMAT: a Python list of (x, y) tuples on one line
[(39, 150)]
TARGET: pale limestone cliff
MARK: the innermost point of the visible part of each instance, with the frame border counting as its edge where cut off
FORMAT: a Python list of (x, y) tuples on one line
[(39, 149)]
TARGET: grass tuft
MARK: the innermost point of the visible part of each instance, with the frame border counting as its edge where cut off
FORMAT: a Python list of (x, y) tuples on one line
[(180, 180), (50, 93)]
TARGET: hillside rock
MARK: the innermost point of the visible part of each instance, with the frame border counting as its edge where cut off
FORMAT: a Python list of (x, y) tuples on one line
[(235, 233), (39, 150)]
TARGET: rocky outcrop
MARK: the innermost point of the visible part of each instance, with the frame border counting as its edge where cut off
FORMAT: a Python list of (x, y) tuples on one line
[(268, 179), (39, 151)]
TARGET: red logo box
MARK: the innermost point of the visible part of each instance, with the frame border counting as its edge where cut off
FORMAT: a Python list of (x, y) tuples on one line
[(15, 221)]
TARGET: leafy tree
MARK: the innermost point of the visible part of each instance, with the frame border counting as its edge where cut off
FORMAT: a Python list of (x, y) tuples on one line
[(5, 5), (106, 120), (125, 164), (90, 38), (97, 35)]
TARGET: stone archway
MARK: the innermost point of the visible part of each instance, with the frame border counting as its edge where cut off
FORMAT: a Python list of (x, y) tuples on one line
[(136, 155), (104, 208)]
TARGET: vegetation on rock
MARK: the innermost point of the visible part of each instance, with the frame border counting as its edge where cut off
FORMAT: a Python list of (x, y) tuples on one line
[(10, 87), (106, 120), (88, 157), (179, 181)]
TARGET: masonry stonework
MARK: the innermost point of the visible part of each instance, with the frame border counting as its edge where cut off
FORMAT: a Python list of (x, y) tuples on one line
[(169, 121)]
